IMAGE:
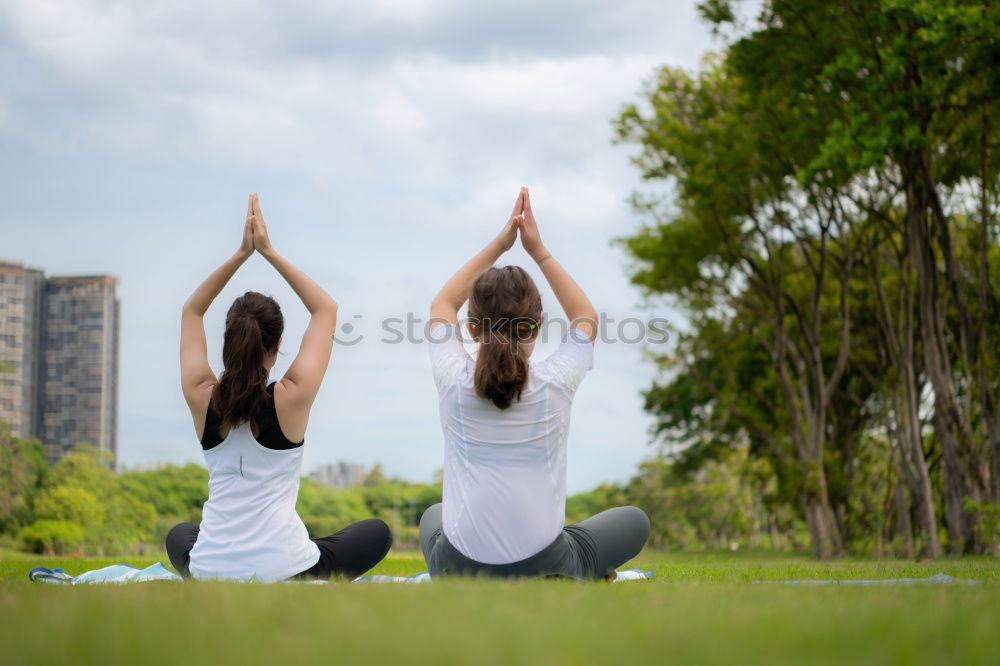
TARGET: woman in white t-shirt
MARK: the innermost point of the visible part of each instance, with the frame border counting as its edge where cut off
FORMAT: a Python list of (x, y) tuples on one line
[(506, 421)]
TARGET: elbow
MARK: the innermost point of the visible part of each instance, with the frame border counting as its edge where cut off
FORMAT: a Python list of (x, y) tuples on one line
[(587, 322), (189, 310), (587, 316), (326, 307), (444, 301), (443, 309)]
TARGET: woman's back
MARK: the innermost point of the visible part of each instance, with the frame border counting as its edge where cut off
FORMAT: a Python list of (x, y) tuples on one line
[(249, 526), (506, 421), (505, 470)]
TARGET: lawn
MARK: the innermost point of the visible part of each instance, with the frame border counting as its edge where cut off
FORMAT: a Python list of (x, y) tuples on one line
[(701, 608)]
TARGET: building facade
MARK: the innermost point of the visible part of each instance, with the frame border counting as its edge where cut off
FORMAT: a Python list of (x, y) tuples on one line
[(339, 474), (20, 354), (59, 358)]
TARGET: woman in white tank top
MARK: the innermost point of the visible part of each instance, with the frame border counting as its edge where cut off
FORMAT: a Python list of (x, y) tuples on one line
[(253, 432), (505, 420)]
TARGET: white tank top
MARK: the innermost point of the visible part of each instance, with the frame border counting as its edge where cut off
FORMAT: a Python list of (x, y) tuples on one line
[(249, 527)]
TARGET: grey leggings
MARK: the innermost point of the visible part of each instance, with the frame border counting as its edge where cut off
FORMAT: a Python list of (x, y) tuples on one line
[(586, 550)]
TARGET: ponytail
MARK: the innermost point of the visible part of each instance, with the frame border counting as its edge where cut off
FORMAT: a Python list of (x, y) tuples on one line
[(501, 368), (505, 309), (253, 327)]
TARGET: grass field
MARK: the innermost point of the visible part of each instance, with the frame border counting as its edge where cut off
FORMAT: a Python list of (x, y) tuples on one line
[(700, 609)]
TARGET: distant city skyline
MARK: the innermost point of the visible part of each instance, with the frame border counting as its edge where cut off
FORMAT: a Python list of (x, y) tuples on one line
[(340, 474), (59, 341)]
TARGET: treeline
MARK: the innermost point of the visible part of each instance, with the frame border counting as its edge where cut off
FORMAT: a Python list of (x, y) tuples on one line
[(728, 498), (830, 236), (79, 505), (709, 498)]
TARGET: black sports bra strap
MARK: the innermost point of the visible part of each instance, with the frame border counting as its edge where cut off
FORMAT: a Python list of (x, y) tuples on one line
[(210, 437), (269, 433)]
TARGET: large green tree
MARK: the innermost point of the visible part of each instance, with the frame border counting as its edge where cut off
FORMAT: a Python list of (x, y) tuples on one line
[(834, 182)]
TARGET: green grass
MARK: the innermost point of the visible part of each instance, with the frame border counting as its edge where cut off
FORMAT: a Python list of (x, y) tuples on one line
[(702, 608)]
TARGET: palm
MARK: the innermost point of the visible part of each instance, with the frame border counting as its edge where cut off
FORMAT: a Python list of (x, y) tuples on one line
[(531, 240), (246, 246), (509, 234), (261, 241)]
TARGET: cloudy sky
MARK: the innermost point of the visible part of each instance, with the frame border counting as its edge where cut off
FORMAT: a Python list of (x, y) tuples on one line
[(387, 140)]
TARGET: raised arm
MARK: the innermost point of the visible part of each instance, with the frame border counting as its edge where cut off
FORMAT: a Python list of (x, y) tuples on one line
[(454, 293), (574, 302), (301, 383), (197, 378)]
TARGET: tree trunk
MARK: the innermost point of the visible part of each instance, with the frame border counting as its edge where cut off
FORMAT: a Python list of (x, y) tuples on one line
[(904, 527), (995, 449), (948, 417), (822, 524), (772, 525), (757, 526), (898, 336), (912, 459), (912, 447)]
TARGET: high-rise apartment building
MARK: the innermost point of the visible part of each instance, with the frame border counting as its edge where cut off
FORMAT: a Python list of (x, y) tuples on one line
[(59, 358), (20, 354)]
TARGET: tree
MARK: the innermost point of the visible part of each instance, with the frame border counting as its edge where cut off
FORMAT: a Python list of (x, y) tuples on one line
[(746, 236), (834, 208), (177, 493), (910, 91), (71, 504), (22, 472), (53, 537), (83, 492)]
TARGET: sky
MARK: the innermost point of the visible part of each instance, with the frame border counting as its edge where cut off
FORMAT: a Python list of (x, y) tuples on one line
[(387, 142)]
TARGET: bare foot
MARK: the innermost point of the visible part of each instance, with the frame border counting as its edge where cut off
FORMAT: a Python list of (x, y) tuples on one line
[(610, 576)]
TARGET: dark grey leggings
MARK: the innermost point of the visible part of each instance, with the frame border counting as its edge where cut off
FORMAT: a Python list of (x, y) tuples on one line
[(588, 550)]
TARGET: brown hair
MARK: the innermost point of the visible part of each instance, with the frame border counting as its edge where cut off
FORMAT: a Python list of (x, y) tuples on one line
[(253, 328), (505, 310)]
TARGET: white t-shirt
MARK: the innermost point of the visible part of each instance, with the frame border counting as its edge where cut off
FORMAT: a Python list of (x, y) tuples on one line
[(505, 469)]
